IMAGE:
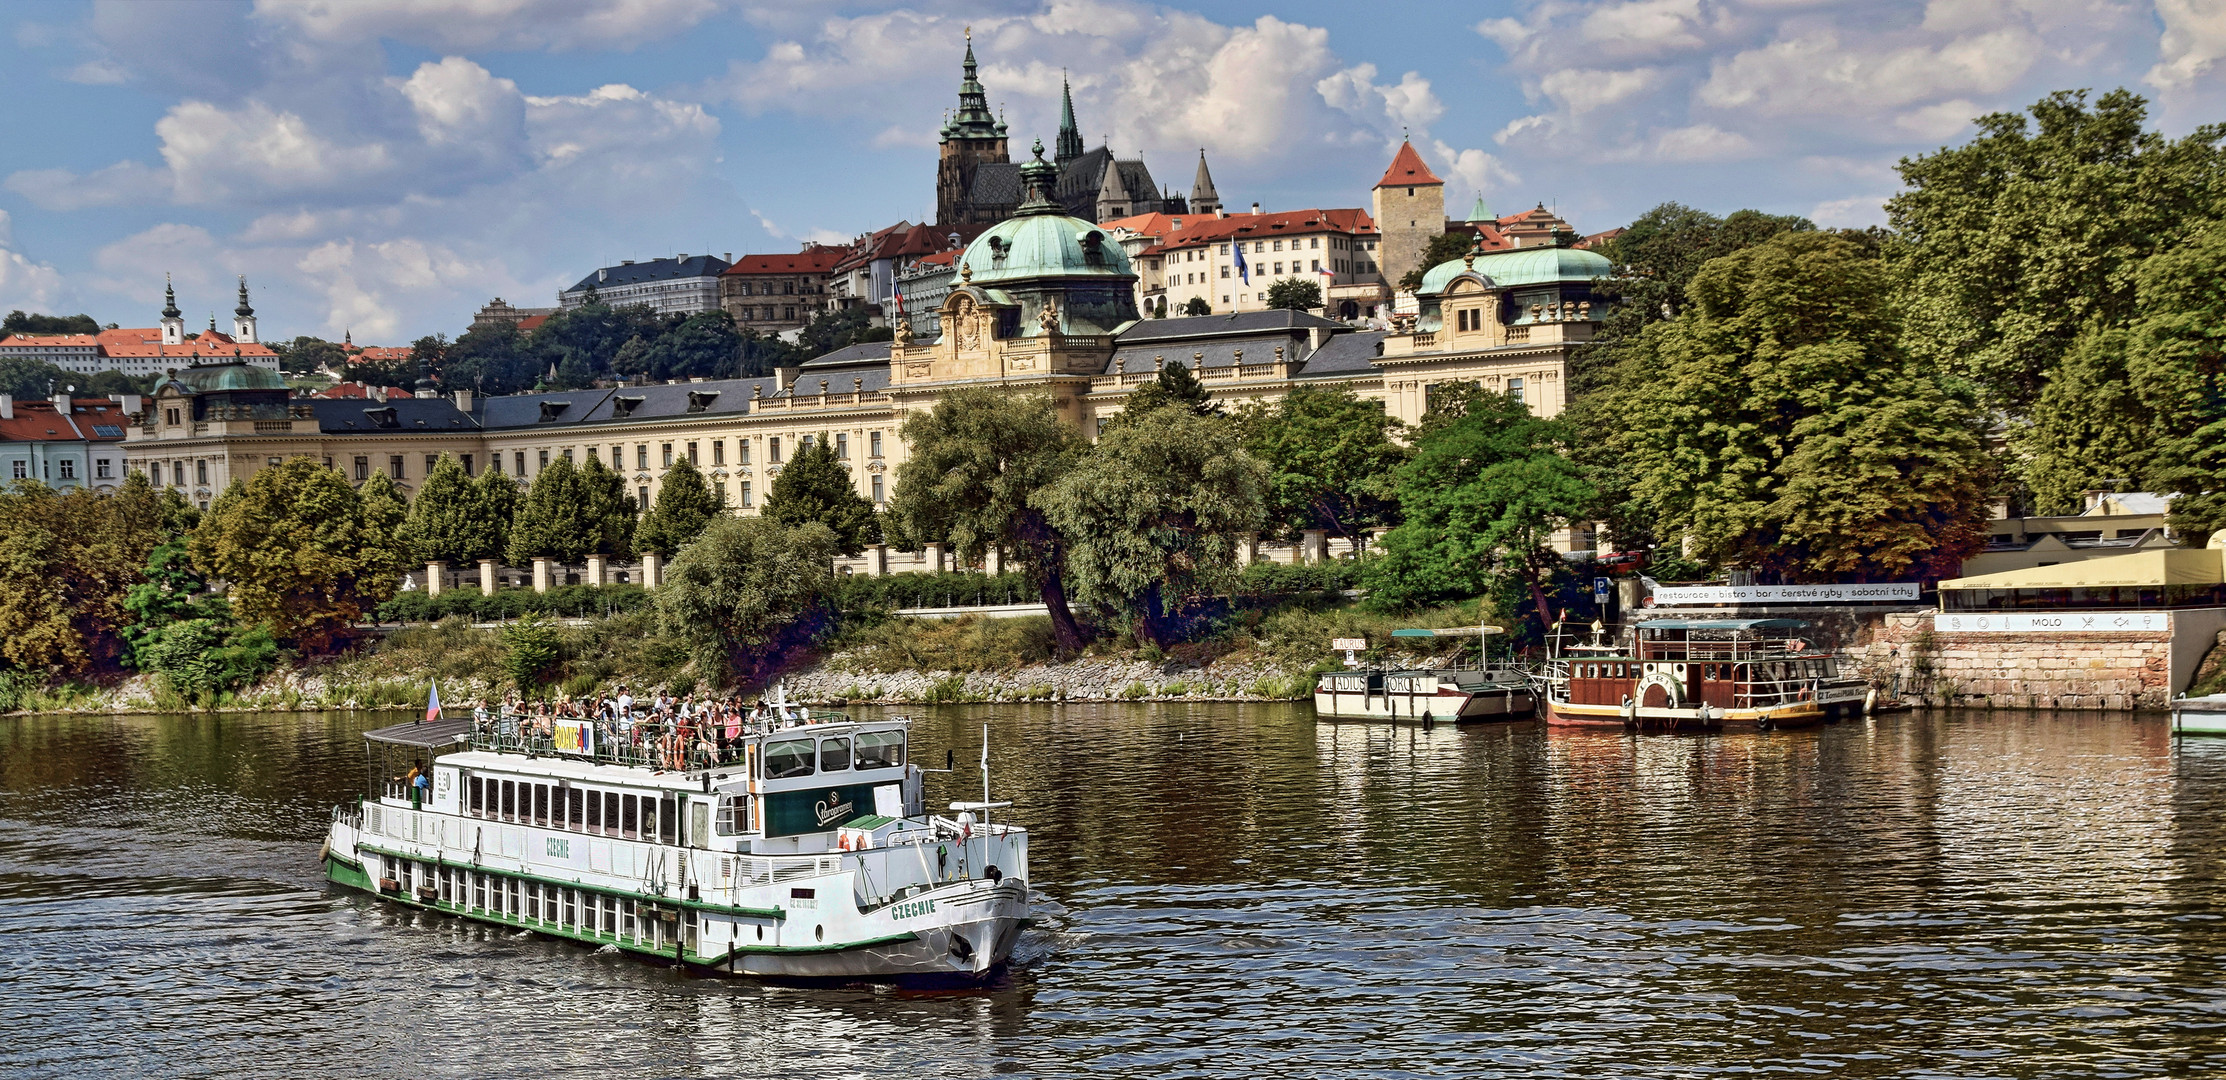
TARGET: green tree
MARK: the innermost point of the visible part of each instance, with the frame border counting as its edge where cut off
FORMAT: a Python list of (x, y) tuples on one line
[(1782, 428), (67, 561), (429, 354), (611, 512), (300, 553), (1196, 306), (17, 322), (837, 329), (815, 485), (24, 378), (684, 508), (705, 345), (495, 502), (1444, 248), (532, 649), (1296, 294), (553, 520), (1153, 515), (494, 359), (2011, 245), (1331, 458), (2176, 360), (743, 591), (1174, 387), (2090, 427), (306, 354), (977, 459), (1489, 483), (445, 522), (385, 510), (171, 592)]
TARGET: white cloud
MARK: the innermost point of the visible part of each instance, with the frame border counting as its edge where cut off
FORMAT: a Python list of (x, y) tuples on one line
[(24, 284), (1700, 142), (1581, 90), (1855, 212), (100, 71), (1643, 27), (1815, 74), (2194, 39), (456, 101), (217, 154), (60, 189), (457, 25)]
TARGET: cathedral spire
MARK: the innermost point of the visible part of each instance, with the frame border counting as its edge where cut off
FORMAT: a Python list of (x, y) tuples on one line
[(243, 310), (170, 300), (1203, 198), (973, 119), (1070, 133)]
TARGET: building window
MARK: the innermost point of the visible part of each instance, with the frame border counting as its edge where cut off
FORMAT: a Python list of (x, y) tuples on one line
[(170, 416), (69, 468), (873, 444), (100, 469), (718, 451), (22, 469), (746, 494), (719, 490), (618, 458), (201, 472), (541, 459), (842, 445), (1225, 275), (641, 497), (773, 449), (467, 464), (363, 469), (641, 456), (1313, 241), (877, 499), (1317, 265), (519, 459), (394, 466), (1515, 390), (692, 460), (430, 461), (595, 455), (742, 451), (667, 454), (1279, 245)]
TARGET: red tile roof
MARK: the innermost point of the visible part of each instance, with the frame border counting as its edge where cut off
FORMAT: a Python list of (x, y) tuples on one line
[(1264, 226), (1407, 169), (147, 341), (531, 323), (357, 390), (40, 421), (51, 341), (814, 259), (385, 354)]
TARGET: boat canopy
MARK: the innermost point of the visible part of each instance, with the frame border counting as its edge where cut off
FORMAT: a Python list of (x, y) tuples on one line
[(1450, 631), (424, 734), (1724, 624), (2147, 569)]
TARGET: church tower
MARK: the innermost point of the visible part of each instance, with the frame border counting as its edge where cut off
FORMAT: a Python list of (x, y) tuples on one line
[(1203, 198), (972, 137), (243, 317), (173, 320), (1070, 133), (1410, 212)]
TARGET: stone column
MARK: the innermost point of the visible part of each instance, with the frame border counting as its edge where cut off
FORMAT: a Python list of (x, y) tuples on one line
[(1249, 552), (540, 575), (596, 572), (486, 577), (436, 575), (653, 569), (1314, 546), (877, 560), (932, 554), (993, 562)]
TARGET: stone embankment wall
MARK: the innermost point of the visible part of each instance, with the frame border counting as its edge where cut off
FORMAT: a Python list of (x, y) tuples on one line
[(1910, 660), (838, 678)]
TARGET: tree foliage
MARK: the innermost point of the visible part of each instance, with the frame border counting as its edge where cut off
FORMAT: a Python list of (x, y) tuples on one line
[(20, 322), (1175, 386), (1331, 457), (1295, 294), (738, 594), (612, 514), (494, 359), (1443, 248), (495, 499), (2176, 361), (977, 460), (815, 485), (1778, 425), (306, 354), (303, 554), (684, 508), (1153, 515), (67, 562), (553, 519), (445, 523), (532, 648), (1196, 306)]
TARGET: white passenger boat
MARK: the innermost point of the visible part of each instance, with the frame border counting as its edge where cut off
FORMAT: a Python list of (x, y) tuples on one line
[(799, 851), (2204, 715), (1459, 693)]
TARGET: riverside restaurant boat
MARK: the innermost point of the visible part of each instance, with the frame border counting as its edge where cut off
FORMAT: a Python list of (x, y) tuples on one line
[(798, 850), (1698, 675), (1486, 691)]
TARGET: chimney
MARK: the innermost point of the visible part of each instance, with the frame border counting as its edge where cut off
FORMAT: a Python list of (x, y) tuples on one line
[(1315, 336), (130, 402), (727, 257), (375, 393), (464, 399), (7, 406), (1255, 208)]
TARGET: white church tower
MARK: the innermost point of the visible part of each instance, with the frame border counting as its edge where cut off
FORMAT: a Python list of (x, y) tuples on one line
[(173, 320), (243, 318)]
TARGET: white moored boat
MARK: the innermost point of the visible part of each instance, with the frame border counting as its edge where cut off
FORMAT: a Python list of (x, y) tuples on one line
[(799, 850)]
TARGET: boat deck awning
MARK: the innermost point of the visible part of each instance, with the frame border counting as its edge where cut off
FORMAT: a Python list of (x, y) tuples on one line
[(2140, 569), (423, 734)]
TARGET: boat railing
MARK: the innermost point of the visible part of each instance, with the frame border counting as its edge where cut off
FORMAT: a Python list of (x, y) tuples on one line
[(643, 742)]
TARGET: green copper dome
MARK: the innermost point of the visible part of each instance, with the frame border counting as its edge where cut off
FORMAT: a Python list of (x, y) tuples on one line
[(203, 378), (1523, 266), (1039, 242)]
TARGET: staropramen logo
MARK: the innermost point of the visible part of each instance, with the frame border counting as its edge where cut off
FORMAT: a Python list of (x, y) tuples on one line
[(833, 809)]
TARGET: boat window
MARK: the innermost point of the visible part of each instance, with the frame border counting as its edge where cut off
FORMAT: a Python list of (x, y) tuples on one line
[(477, 807), (541, 804), (595, 811), (572, 809), (668, 821), (880, 749), (610, 812), (834, 754), (733, 815), (790, 757), (629, 810), (509, 800)]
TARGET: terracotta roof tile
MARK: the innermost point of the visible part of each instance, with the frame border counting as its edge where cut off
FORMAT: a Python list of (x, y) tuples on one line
[(1407, 168)]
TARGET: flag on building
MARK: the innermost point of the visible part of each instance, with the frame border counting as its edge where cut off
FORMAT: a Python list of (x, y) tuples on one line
[(1243, 271)]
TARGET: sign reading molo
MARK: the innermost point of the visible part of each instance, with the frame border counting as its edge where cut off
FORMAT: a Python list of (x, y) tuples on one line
[(2052, 622)]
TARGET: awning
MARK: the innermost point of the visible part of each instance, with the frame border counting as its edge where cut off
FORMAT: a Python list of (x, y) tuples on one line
[(423, 734), (1723, 624), (1450, 631), (2152, 569)]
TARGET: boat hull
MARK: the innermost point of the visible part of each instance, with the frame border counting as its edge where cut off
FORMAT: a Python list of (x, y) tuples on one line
[(1420, 697), (1791, 715)]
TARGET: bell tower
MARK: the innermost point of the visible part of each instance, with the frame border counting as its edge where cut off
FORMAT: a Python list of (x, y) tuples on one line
[(971, 137), (243, 317), (173, 320)]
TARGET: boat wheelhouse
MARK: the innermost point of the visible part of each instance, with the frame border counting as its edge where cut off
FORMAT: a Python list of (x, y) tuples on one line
[(799, 849), (1698, 675), (1461, 691)]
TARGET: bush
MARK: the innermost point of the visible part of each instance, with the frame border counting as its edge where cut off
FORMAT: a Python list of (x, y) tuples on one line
[(201, 658), (966, 643), (1262, 579), (532, 648), (857, 593)]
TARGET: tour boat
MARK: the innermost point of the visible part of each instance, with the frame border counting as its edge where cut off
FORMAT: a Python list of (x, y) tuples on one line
[(1698, 675), (2205, 715), (798, 851), (1488, 691)]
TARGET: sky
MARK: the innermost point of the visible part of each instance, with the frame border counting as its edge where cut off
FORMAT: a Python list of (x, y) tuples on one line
[(385, 167)]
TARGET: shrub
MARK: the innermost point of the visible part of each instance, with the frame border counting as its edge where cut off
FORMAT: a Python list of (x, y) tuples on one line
[(531, 650), (858, 593), (966, 643)]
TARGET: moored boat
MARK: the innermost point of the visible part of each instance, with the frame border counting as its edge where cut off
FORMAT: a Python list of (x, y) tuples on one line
[(799, 849), (1457, 692), (1698, 675), (2205, 715)]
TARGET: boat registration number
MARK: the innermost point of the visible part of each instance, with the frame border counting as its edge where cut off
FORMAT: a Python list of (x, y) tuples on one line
[(913, 909)]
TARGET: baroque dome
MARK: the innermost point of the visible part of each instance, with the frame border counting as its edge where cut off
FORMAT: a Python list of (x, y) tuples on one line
[(1522, 266), (1039, 241)]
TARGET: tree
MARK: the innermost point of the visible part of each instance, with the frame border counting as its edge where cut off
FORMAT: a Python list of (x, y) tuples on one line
[(1331, 458), (67, 562), (17, 322), (1781, 427), (495, 502), (611, 512), (837, 329), (445, 522), (25, 378), (1196, 306), (704, 345), (385, 509), (815, 485), (1296, 294), (1488, 485), (493, 359), (1174, 387), (301, 554), (1153, 514), (306, 354), (741, 592), (977, 459), (429, 354), (553, 519), (2176, 361), (531, 650), (170, 593), (2011, 245), (684, 508), (1444, 248)]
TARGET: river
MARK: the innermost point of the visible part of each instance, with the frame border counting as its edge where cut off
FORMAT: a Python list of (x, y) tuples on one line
[(1227, 890)]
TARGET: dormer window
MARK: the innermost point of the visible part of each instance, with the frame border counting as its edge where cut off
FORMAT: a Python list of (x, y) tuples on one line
[(623, 407), (1093, 248), (384, 418), (550, 410), (699, 400)]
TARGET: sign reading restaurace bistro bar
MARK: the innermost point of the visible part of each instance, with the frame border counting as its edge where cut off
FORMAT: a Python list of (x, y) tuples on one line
[(1785, 594)]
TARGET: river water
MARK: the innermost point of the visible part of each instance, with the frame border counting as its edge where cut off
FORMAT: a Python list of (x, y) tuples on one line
[(1227, 891)]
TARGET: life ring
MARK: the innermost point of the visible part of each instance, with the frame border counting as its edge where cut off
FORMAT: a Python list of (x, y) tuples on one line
[(1668, 685)]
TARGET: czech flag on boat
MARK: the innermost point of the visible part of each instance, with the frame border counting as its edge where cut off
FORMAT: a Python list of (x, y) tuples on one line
[(433, 703)]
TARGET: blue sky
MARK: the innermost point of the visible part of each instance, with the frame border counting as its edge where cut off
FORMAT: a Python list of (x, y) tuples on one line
[(387, 167)]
